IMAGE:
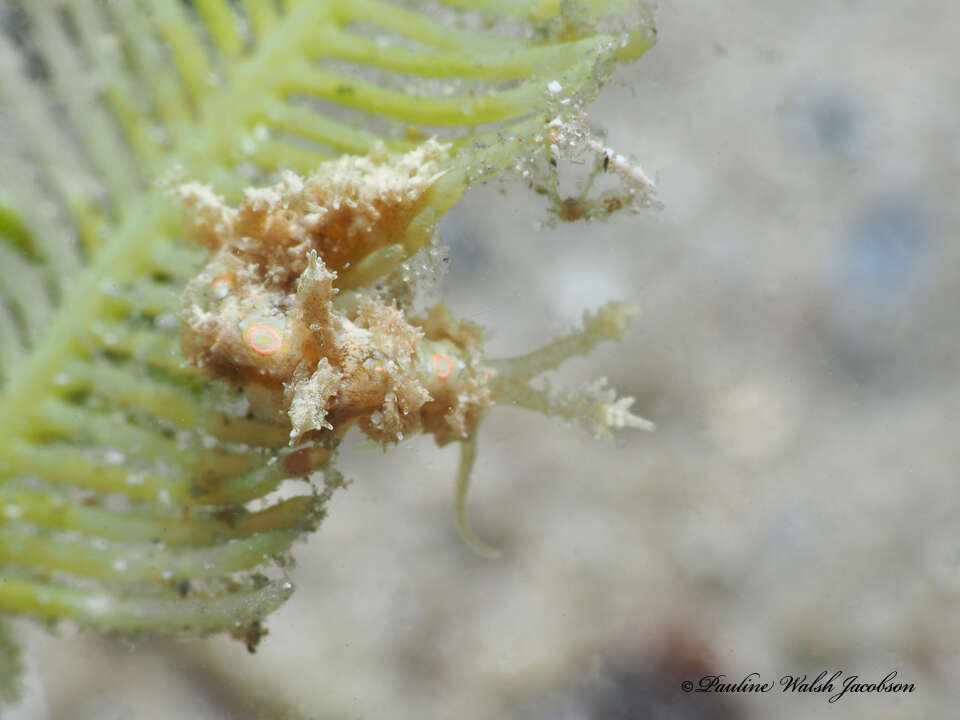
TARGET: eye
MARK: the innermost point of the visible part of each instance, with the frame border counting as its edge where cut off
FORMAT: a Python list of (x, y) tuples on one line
[(442, 366), (263, 339)]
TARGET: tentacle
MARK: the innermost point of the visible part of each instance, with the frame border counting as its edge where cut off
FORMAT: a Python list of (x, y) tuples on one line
[(468, 454)]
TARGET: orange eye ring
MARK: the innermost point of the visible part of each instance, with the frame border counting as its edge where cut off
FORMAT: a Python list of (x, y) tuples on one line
[(263, 339), (442, 366)]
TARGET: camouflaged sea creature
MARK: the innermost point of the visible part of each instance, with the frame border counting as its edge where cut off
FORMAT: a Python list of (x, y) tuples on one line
[(285, 309)]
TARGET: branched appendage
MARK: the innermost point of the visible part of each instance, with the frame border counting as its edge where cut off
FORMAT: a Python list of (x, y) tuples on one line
[(568, 136), (285, 309), (595, 406)]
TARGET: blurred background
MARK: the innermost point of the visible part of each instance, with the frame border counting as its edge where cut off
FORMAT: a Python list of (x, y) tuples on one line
[(796, 509)]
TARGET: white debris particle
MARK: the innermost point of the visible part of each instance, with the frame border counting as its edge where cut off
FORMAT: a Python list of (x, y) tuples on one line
[(98, 604), (114, 457), (262, 199), (167, 321), (554, 87)]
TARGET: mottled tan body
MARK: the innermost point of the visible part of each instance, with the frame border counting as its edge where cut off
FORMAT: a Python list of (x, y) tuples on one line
[(262, 313)]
